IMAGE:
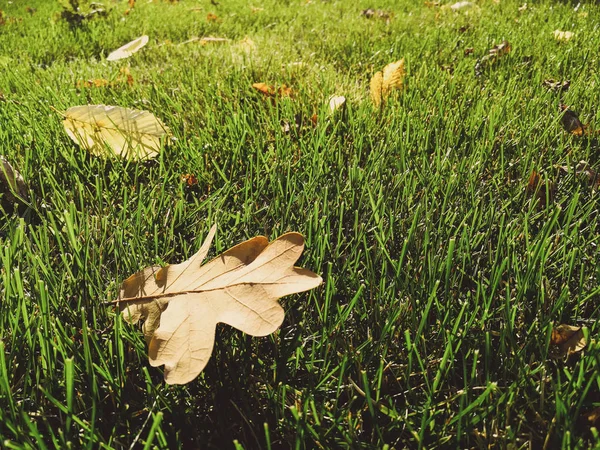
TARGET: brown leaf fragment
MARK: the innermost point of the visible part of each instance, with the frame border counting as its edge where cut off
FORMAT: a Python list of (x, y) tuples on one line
[(189, 179), (557, 86), (12, 185), (568, 339), (210, 17), (469, 51), (31, 11), (542, 189), (93, 83), (495, 53), (592, 418), (181, 304), (272, 91), (571, 123), (534, 181), (371, 13)]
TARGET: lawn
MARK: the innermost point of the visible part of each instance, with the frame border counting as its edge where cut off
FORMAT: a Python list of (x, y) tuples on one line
[(454, 227)]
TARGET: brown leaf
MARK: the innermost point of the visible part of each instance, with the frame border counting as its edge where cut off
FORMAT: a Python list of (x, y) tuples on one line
[(557, 86), (568, 339), (131, 3), (543, 190), (382, 83), (12, 185), (182, 303), (96, 83), (210, 17), (571, 123), (189, 179), (592, 418), (377, 13), (493, 55), (272, 91)]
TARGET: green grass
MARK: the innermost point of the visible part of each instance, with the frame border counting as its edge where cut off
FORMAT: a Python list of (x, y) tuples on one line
[(442, 277)]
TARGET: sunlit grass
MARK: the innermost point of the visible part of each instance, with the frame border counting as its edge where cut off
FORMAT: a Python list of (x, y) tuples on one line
[(442, 276)]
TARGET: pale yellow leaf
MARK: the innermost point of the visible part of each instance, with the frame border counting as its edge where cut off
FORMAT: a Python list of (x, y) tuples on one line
[(563, 35), (336, 102), (128, 49), (183, 303), (130, 133), (382, 83)]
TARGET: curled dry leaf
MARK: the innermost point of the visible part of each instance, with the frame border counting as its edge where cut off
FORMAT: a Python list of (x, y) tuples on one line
[(272, 91), (563, 35), (336, 103), (12, 185), (544, 190), (128, 49), (493, 55), (130, 133), (568, 339), (377, 13), (383, 82), (181, 304), (557, 86), (571, 123)]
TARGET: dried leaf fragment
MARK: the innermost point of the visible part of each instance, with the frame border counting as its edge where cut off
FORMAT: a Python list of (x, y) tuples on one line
[(492, 57), (336, 103), (571, 123), (128, 49), (272, 91), (12, 185), (563, 35), (557, 86), (182, 303), (383, 82), (377, 13), (130, 133), (568, 339)]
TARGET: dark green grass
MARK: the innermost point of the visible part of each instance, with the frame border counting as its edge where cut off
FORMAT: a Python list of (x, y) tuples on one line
[(442, 277)]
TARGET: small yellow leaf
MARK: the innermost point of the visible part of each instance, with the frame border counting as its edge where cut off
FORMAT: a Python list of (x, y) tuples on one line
[(130, 133), (382, 83), (336, 102), (181, 304), (563, 35), (128, 49)]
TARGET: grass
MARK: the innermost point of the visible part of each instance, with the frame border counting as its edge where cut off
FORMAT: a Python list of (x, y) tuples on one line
[(443, 276)]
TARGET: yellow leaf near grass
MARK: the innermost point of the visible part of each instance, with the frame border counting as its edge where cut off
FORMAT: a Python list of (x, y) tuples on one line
[(106, 130), (383, 82), (563, 35), (181, 304), (568, 339), (128, 49)]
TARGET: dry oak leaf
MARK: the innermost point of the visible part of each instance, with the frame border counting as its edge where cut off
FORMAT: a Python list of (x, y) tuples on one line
[(182, 303), (568, 339), (128, 49), (130, 133), (271, 91), (571, 123), (383, 82)]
